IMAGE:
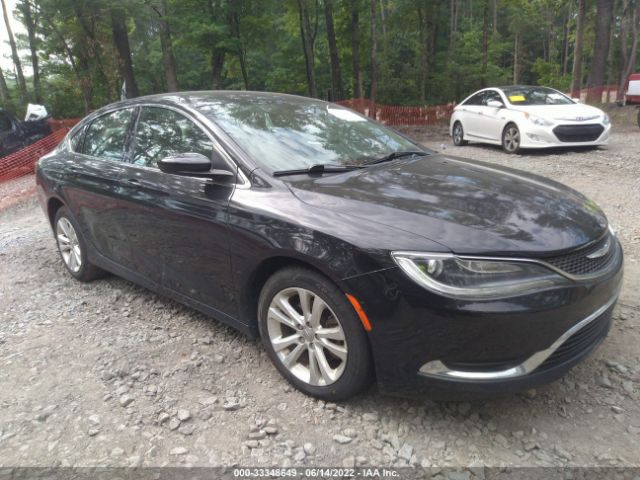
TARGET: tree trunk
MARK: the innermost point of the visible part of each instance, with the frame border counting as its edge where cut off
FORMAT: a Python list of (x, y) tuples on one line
[(374, 55), (30, 24), (485, 45), (217, 64), (234, 23), (22, 86), (121, 41), (453, 18), (168, 60), (355, 49), (5, 98), (604, 19), (565, 46), (516, 59), (494, 14), (631, 59), (336, 73), (308, 41), (576, 72), (424, 49)]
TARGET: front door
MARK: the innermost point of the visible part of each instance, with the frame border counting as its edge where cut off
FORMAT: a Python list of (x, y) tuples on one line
[(176, 226)]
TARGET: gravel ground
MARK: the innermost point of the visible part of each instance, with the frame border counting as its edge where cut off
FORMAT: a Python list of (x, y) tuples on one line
[(111, 374)]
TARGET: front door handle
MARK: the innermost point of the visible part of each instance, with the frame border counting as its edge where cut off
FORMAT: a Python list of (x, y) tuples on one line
[(133, 181)]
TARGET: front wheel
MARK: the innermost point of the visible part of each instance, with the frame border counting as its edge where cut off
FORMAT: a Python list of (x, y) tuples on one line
[(458, 135), (313, 335), (511, 139)]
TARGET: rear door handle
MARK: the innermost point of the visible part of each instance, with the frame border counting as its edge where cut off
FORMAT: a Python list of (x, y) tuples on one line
[(133, 181)]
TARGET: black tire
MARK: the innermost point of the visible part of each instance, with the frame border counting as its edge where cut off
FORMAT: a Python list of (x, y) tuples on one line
[(86, 271), (357, 372), (511, 138), (458, 135)]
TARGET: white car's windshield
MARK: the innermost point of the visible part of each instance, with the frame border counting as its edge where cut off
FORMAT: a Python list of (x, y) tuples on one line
[(535, 96), (295, 133)]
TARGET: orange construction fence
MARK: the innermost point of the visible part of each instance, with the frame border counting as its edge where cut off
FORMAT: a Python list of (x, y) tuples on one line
[(400, 115), (23, 161)]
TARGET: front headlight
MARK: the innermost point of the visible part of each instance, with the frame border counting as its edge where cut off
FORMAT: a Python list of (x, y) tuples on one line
[(476, 279), (606, 120), (536, 120)]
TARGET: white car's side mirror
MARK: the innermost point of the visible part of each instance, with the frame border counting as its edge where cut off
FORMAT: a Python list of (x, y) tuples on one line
[(577, 100), (495, 104)]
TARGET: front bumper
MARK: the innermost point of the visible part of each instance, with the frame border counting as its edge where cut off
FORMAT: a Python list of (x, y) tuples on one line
[(533, 136), (429, 345)]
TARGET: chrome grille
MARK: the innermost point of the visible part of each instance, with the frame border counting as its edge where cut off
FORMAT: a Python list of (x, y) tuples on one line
[(578, 263)]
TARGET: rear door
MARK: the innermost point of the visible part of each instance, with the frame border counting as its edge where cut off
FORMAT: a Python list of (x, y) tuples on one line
[(176, 226), (91, 176), (471, 120)]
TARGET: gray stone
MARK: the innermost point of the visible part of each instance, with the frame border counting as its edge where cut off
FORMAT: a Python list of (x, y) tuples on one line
[(184, 415), (125, 400), (342, 439)]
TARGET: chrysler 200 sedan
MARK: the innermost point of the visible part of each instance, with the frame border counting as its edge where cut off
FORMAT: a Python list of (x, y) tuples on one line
[(353, 253), (518, 117)]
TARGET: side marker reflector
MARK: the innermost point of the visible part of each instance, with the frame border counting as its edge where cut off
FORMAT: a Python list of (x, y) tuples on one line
[(363, 316)]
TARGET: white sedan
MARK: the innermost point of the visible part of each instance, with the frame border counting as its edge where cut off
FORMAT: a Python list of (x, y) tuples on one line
[(527, 117)]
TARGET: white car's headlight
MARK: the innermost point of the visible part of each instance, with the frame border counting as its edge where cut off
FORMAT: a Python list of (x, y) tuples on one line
[(606, 120), (476, 279), (536, 120)]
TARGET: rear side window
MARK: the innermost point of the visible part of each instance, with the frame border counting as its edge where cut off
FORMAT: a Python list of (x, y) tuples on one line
[(106, 137), (161, 132)]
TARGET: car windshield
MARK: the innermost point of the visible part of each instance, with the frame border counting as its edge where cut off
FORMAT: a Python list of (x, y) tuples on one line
[(285, 133), (535, 96)]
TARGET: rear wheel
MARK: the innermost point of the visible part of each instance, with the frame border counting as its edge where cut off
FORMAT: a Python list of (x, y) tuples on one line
[(72, 247), (458, 135), (511, 139), (313, 335)]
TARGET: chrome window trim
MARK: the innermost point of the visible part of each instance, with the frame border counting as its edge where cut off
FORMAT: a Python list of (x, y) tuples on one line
[(199, 119), (437, 369)]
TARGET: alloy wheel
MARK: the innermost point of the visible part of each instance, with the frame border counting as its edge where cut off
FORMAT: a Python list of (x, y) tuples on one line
[(307, 336), (69, 244), (457, 134), (511, 139)]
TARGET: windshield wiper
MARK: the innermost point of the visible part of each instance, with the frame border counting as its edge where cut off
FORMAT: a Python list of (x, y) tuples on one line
[(319, 168), (394, 155)]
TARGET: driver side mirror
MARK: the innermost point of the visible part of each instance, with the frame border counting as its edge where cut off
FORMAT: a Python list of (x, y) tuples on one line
[(193, 165), (495, 104), (577, 100)]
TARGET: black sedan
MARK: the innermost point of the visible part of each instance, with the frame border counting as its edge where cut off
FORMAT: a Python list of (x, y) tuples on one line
[(353, 252)]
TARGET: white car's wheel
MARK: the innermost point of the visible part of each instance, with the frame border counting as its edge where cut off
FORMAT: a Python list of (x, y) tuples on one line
[(458, 135), (511, 138)]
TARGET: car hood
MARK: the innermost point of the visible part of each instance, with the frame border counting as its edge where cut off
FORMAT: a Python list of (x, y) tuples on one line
[(576, 112), (466, 206)]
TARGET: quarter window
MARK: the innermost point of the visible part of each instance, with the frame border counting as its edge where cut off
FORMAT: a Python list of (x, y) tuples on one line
[(161, 132), (75, 142), (107, 135)]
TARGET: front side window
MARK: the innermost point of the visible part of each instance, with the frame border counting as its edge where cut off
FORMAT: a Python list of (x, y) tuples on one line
[(161, 132), (106, 137), (283, 133), (490, 96)]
